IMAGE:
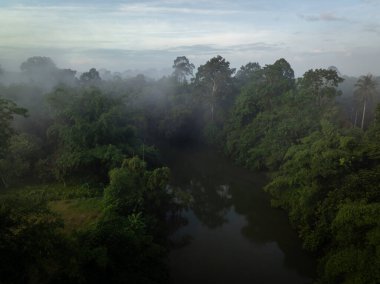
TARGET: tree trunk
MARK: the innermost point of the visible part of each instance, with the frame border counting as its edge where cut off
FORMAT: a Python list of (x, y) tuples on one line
[(213, 98), (364, 107), (356, 118)]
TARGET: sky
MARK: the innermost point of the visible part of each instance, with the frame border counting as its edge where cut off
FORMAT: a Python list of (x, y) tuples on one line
[(122, 35)]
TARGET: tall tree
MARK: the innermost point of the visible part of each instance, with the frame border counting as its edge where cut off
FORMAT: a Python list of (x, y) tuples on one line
[(40, 71), (38, 64), (276, 80), (90, 77), (215, 80), (365, 88), (43, 72), (321, 84), (8, 110), (182, 68), (247, 73)]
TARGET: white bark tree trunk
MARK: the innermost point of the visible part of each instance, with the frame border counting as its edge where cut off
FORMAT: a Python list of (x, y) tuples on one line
[(364, 107), (213, 98)]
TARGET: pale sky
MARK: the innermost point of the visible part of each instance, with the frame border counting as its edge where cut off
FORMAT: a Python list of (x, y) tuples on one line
[(121, 35)]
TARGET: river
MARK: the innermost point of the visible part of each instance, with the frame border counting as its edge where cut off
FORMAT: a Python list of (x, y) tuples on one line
[(230, 233)]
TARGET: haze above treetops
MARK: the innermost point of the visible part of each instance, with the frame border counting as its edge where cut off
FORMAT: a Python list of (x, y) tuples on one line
[(146, 35)]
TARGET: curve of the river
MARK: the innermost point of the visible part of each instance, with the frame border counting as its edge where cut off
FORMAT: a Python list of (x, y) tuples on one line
[(230, 233)]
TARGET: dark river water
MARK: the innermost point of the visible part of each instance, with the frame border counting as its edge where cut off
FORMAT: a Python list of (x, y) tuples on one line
[(230, 233)]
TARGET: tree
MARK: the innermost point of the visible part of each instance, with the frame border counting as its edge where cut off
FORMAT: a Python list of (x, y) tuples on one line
[(92, 132), (38, 64), (22, 154), (43, 72), (67, 76), (264, 112), (365, 88), (276, 79), (134, 189), (8, 110), (321, 84), (247, 73), (30, 241), (279, 75), (215, 80), (90, 77), (182, 68), (126, 242)]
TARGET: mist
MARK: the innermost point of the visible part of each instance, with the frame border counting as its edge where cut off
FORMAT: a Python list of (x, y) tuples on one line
[(189, 141)]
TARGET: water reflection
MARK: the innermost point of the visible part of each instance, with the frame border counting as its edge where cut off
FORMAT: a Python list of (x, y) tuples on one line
[(266, 224), (210, 203), (229, 221)]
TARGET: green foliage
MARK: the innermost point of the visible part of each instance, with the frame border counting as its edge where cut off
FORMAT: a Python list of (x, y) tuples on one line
[(272, 113), (265, 119), (170, 112), (365, 91), (331, 192), (121, 243), (122, 246), (29, 241), (247, 74), (91, 77), (133, 189), (326, 176), (24, 150), (277, 79), (178, 123), (78, 214), (215, 85), (92, 131), (321, 85), (8, 110), (355, 258), (182, 68), (53, 192), (372, 137)]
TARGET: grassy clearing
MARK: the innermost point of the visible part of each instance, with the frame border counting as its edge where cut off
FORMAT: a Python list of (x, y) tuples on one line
[(78, 213), (79, 205), (55, 191)]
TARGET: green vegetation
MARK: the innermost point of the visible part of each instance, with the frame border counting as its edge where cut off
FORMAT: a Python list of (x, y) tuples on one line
[(72, 234), (77, 205), (78, 214), (325, 170), (84, 195)]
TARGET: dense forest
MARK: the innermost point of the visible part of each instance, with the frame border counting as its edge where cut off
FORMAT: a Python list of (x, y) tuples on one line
[(84, 191)]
